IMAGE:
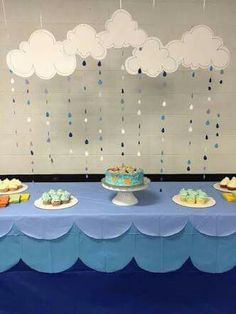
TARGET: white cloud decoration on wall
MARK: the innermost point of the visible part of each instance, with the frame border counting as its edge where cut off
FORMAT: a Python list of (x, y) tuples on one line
[(42, 55), (122, 31), (84, 41), (152, 58), (199, 48)]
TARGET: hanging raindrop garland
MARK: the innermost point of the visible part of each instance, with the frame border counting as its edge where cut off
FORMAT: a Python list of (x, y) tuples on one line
[(139, 113), (29, 120), (12, 81), (190, 126), (100, 119), (69, 115), (162, 132), (122, 103), (86, 140), (48, 122)]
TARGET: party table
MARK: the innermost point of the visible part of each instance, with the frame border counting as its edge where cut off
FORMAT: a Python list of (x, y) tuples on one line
[(157, 233)]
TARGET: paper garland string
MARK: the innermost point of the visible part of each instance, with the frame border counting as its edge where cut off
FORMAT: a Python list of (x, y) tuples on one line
[(122, 103), (100, 118)]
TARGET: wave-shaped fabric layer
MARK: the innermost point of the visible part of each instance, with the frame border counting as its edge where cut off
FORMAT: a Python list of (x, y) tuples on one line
[(155, 214), (154, 254)]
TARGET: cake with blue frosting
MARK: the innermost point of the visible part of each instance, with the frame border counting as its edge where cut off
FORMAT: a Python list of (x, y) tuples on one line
[(124, 176)]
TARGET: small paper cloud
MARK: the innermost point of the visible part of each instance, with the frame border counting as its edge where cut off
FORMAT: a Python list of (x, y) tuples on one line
[(84, 41), (122, 31), (152, 58), (42, 55), (199, 48)]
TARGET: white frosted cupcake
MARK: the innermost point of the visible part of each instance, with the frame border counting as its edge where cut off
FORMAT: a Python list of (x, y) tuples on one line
[(232, 184), (224, 183)]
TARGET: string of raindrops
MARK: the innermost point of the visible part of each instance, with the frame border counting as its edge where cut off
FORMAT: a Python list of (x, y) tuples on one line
[(122, 103), (29, 120), (100, 118), (86, 140), (48, 123), (12, 81), (190, 125), (69, 115), (139, 112)]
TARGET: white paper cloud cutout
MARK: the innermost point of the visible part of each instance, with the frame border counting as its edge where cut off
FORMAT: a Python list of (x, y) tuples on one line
[(152, 58), (84, 41), (199, 48), (42, 55), (122, 31)]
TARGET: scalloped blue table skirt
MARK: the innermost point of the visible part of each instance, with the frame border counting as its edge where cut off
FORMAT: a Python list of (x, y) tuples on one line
[(154, 254)]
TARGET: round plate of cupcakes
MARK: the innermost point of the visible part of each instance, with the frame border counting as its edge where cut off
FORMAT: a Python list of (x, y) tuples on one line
[(228, 188), (13, 186), (193, 198), (56, 199)]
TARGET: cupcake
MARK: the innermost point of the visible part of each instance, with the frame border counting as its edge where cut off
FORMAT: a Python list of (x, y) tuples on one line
[(56, 200), (12, 187), (65, 199), (46, 199), (17, 182), (232, 184), (190, 199), (183, 195), (201, 198), (3, 187), (224, 182)]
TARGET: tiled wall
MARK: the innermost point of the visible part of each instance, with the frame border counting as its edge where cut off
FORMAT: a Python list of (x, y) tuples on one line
[(23, 126)]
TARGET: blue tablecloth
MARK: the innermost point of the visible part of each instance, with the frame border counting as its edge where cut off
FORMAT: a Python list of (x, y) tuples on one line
[(157, 233)]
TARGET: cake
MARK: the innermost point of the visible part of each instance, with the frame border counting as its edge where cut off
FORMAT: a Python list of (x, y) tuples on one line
[(56, 197), (191, 196), (10, 185), (232, 184), (124, 176)]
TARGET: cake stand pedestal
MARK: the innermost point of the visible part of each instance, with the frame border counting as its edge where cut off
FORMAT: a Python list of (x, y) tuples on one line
[(125, 195)]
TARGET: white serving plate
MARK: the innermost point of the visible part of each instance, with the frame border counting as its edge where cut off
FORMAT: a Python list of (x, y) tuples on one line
[(211, 202), (39, 204), (24, 188), (217, 187)]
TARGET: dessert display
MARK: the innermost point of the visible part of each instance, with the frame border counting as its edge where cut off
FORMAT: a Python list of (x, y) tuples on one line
[(191, 196), (10, 185), (124, 176), (228, 184), (56, 197)]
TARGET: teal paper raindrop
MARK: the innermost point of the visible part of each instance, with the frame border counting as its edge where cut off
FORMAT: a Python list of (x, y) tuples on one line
[(99, 82), (69, 115), (47, 114), (28, 102), (163, 117), (216, 145), (207, 123)]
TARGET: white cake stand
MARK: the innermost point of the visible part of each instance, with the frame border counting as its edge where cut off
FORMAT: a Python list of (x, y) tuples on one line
[(125, 195)]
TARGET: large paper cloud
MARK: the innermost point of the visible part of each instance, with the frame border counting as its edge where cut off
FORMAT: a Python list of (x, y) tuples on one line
[(122, 31), (42, 55), (152, 58), (199, 48), (84, 41)]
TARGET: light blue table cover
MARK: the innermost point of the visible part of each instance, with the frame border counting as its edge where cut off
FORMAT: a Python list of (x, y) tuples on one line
[(159, 234)]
